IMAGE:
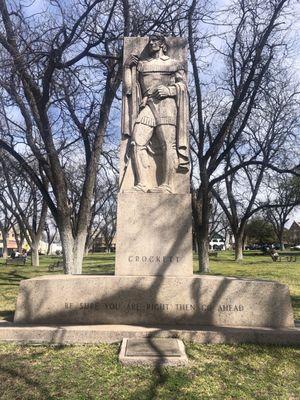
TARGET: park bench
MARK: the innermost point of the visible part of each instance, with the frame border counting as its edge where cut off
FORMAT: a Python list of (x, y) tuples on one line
[(16, 261), (213, 254), (288, 258), (57, 266), (280, 258)]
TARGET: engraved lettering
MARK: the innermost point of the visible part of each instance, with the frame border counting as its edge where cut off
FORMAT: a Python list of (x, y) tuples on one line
[(153, 307), (230, 307), (156, 259), (185, 307)]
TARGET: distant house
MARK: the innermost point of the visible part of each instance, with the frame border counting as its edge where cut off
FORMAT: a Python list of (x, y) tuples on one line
[(294, 233), (11, 242), (13, 245)]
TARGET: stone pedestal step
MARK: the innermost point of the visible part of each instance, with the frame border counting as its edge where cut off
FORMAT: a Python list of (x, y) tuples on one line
[(93, 334)]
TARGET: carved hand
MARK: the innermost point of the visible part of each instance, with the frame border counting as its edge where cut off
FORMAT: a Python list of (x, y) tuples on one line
[(132, 59), (161, 92)]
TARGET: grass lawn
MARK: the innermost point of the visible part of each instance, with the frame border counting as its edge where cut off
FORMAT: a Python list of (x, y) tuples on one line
[(93, 372)]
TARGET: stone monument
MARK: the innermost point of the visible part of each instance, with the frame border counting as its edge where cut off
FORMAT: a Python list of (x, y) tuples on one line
[(154, 206), (154, 282)]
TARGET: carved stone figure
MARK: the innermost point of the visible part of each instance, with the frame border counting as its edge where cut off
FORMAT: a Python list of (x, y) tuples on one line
[(155, 110)]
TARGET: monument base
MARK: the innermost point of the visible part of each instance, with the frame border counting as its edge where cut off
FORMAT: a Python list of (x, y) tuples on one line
[(154, 235), (190, 301), (94, 334)]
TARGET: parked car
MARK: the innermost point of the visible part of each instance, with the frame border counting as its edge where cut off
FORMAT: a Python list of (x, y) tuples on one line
[(253, 247), (297, 247)]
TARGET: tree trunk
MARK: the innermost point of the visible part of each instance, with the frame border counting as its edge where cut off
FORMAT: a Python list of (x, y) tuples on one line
[(5, 249), (79, 252), (48, 248), (195, 243), (20, 245), (19, 238), (88, 246), (73, 251), (35, 258), (238, 248), (245, 240), (203, 246), (281, 241), (201, 211), (67, 243)]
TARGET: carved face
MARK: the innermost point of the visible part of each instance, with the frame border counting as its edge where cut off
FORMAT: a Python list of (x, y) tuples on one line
[(154, 44)]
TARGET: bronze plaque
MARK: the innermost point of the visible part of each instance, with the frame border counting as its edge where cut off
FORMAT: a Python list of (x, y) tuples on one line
[(152, 347)]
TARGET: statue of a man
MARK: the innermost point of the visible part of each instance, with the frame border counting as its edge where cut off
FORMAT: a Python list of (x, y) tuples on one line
[(156, 95)]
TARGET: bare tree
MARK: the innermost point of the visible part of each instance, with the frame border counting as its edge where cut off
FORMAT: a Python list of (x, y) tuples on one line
[(51, 231), (43, 77), (268, 137), (218, 223), (108, 219), (281, 202), (252, 42), (104, 196), (23, 200)]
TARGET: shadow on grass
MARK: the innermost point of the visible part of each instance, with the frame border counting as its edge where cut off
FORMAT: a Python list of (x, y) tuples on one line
[(14, 374), (106, 257), (7, 315), (11, 278), (295, 301), (162, 378), (264, 262), (257, 254)]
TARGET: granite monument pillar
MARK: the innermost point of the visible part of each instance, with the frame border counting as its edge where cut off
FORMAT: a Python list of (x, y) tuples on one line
[(154, 229)]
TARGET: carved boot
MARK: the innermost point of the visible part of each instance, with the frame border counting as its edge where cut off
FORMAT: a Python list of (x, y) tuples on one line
[(138, 188), (163, 188)]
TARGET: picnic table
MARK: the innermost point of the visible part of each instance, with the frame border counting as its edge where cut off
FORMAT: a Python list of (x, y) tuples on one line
[(279, 258)]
